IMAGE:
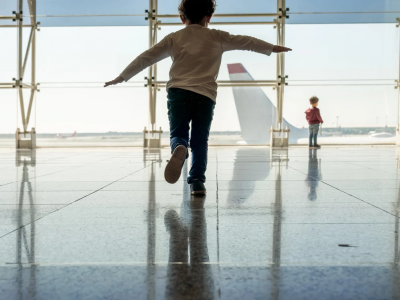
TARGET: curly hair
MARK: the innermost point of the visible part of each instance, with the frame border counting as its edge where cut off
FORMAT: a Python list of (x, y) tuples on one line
[(313, 100), (195, 10)]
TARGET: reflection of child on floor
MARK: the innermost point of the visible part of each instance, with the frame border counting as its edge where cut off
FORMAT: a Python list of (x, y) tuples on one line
[(188, 279), (313, 117), (313, 175)]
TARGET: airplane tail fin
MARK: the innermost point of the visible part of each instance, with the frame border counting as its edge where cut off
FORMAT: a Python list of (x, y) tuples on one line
[(255, 110)]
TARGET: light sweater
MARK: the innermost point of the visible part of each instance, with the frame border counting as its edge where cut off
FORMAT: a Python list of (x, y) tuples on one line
[(196, 54)]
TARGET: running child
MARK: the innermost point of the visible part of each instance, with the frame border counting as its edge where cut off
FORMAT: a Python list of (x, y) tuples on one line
[(196, 53)]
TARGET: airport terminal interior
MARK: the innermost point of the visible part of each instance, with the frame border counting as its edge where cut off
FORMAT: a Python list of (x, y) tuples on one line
[(85, 210)]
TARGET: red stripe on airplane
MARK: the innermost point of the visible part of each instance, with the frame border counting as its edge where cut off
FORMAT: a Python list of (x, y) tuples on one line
[(236, 68)]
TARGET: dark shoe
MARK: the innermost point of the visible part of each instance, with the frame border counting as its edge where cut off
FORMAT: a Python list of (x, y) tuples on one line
[(317, 146), (174, 167), (197, 188)]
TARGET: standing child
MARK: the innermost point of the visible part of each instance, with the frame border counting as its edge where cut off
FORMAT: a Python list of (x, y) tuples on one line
[(314, 119), (196, 53)]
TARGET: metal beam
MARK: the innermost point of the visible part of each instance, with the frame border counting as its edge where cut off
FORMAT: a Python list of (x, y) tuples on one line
[(223, 16), (20, 71), (32, 9), (14, 26), (14, 86), (150, 70), (27, 51), (234, 85), (398, 81), (248, 82), (222, 23), (7, 17), (28, 115)]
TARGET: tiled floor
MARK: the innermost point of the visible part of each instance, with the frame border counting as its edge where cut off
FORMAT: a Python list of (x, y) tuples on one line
[(101, 223)]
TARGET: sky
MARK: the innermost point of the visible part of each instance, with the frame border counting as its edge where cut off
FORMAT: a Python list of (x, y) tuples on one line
[(73, 62)]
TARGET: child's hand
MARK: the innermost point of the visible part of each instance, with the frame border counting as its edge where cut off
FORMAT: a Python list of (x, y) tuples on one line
[(279, 49), (117, 80)]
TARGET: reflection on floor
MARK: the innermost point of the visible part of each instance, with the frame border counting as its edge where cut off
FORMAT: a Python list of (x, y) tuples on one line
[(102, 224)]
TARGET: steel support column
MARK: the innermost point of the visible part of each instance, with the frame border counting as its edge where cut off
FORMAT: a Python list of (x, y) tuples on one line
[(152, 137), (398, 92), (280, 135), (21, 135)]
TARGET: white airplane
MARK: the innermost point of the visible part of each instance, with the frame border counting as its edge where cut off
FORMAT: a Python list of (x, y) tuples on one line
[(60, 136), (257, 114)]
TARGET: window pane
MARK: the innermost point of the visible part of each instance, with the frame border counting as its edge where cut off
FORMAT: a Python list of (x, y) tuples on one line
[(114, 116), (8, 54), (323, 52), (349, 112), (8, 117), (226, 6), (88, 54)]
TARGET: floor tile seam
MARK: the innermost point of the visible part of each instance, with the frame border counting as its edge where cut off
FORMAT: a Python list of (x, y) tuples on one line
[(218, 224), (348, 193), (218, 282), (58, 172), (308, 223), (36, 204), (374, 169), (74, 201), (61, 157), (165, 190), (30, 178), (257, 263)]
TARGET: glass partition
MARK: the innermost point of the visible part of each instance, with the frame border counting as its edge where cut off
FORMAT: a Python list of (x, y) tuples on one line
[(352, 68), (8, 117), (342, 52), (88, 54), (352, 114), (91, 116), (8, 54), (73, 108)]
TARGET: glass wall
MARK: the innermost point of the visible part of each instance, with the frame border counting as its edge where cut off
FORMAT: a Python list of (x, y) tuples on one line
[(350, 67), (8, 97)]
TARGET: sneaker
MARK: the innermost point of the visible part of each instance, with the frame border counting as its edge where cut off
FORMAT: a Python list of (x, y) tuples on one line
[(174, 167), (197, 188)]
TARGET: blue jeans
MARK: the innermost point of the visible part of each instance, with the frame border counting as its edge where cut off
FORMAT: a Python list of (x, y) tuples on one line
[(313, 133), (184, 107)]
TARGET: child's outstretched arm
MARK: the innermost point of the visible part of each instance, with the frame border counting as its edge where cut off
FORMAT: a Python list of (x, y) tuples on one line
[(243, 42), (156, 53)]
